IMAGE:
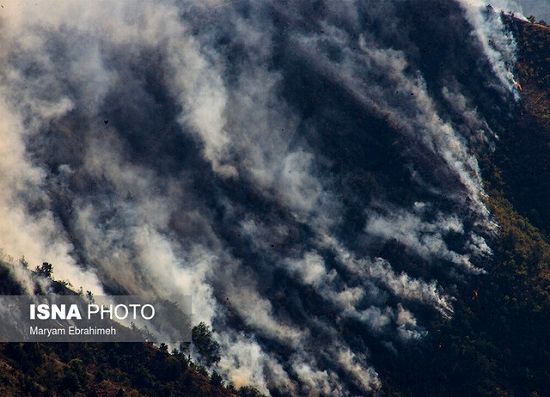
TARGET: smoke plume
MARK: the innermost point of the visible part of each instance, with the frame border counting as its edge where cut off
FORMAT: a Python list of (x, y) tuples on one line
[(306, 171)]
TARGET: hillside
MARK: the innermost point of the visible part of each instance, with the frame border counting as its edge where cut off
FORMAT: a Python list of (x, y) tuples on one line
[(497, 343), (355, 194), (102, 369)]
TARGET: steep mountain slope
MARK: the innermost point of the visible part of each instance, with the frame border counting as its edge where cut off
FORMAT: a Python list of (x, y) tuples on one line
[(497, 343), (523, 155), (101, 369), (353, 192)]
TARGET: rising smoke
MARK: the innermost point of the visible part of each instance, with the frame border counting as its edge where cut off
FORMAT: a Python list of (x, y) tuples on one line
[(306, 171)]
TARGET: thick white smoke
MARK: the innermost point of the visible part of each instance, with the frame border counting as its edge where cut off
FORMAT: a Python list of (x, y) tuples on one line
[(167, 149), (497, 43)]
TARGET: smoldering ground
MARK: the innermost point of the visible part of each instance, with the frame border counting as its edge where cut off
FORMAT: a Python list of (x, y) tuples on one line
[(306, 171)]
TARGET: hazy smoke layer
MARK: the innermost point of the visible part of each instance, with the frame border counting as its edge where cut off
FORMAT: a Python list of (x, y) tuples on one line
[(538, 8), (306, 171)]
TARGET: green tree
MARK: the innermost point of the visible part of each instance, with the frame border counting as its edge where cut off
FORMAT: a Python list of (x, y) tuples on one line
[(45, 270), (206, 346), (77, 366), (216, 379), (249, 391)]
